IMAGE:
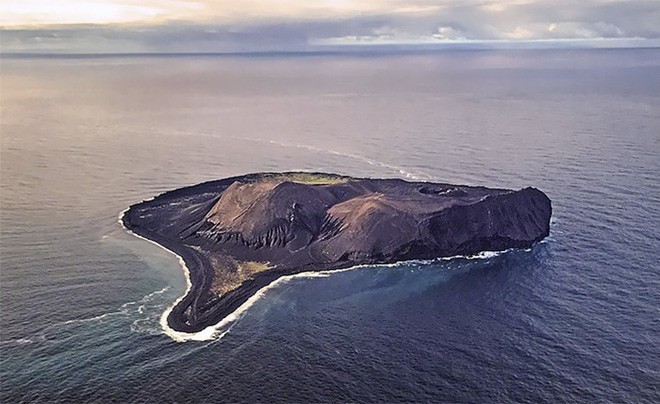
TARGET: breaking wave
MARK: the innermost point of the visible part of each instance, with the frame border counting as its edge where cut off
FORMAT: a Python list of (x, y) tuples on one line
[(220, 329)]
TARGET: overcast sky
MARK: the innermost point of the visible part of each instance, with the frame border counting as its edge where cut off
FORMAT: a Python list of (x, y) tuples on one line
[(290, 25)]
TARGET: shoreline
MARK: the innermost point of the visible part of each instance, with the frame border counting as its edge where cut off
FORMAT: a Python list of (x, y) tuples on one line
[(176, 221), (213, 331), (186, 273)]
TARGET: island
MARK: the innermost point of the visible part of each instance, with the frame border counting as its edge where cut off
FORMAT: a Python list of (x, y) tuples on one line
[(238, 235)]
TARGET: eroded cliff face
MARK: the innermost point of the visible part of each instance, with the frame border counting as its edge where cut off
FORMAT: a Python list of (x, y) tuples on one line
[(381, 220), (248, 230)]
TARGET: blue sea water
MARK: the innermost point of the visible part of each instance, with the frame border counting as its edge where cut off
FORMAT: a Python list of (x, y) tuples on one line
[(575, 319)]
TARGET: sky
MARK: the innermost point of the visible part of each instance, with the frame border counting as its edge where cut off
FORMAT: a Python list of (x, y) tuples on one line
[(109, 26)]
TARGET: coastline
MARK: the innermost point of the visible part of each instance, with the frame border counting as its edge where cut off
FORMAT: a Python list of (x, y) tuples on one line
[(214, 331), (210, 332), (175, 335), (175, 221)]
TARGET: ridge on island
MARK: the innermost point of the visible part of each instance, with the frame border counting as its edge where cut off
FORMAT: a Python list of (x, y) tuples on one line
[(239, 234)]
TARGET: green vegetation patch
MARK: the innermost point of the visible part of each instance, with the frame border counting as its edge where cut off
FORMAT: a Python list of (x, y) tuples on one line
[(230, 273), (309, 178)]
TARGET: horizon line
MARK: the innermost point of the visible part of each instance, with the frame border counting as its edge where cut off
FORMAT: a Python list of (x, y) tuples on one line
[(358, 49)]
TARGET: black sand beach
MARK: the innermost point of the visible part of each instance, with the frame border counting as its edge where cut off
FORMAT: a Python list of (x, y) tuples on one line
[(239, 234)]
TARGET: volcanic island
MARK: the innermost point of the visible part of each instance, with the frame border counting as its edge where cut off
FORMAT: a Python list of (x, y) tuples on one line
[(239, 234)]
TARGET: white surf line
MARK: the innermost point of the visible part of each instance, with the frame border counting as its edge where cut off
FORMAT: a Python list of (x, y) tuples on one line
[(175, 335), (213, 332), (414, 176), (367, 160)]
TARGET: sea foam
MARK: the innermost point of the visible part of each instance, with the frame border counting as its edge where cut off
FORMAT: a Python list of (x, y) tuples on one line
[(218, 330)]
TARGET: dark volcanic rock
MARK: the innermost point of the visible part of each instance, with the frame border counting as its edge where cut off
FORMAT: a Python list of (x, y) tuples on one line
[(239, 234)]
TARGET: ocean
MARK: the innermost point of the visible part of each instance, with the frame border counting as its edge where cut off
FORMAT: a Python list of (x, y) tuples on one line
[(574, 319)]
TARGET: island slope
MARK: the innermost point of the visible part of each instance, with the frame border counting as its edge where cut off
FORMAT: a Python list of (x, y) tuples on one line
[(239, 234)]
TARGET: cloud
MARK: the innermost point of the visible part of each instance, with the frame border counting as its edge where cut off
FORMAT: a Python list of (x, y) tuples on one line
[(44, 12), (255, 25), (449, 33)]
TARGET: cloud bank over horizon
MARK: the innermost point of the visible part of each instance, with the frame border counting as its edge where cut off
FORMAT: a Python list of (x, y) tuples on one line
[(107, 26)]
